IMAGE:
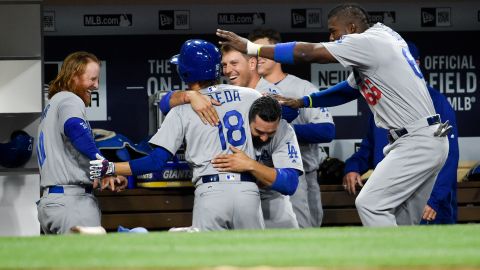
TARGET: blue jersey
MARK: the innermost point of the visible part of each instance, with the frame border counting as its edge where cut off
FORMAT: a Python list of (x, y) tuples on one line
[(444, 194)]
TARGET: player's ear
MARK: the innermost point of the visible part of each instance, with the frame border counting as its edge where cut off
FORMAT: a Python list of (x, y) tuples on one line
[(252, 63), (353, 28)]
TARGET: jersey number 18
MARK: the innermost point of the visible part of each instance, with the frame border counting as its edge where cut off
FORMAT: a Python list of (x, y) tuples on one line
[(231, 128)]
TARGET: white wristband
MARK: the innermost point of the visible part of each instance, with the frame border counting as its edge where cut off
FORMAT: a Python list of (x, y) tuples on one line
[(252, 48)]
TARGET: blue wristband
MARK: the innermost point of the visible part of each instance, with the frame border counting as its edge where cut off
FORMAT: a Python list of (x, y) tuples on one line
[(283, 52), (307, 102)]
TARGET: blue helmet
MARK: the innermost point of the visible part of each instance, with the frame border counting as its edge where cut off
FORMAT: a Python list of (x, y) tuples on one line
[(18, 151), (199, 60)]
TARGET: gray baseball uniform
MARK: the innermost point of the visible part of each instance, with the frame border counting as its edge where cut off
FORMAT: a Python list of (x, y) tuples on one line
[(222, 200), (67, 200), (306, 201), (393, 86), (281, 152)]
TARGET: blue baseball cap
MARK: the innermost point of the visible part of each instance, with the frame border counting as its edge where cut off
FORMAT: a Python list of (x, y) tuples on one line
[(413, 50)]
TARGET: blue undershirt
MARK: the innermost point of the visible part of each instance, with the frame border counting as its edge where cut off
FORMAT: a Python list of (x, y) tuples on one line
[(154, 162), (77, 130), (338, 94), (315, 132), (286, 181), (165, 103)]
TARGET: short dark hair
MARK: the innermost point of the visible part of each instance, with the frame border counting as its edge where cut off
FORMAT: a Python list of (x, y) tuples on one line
[(267, 108), (272, 35), (352, 11)]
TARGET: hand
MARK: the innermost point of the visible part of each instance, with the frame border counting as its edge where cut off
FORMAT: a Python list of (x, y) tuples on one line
[(289, 102), (236, 162), (429, 214), (232, 39), (100, 168), (202, 105), (350, 180), (115, 183), (443, 129)]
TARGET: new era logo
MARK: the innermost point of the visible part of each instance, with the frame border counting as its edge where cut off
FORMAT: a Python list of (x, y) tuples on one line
[(174, 19), (435, 17), (306, 18), (298, 18)]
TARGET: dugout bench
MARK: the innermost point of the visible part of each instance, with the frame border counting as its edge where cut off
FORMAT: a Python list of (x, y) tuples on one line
[(163, 208)]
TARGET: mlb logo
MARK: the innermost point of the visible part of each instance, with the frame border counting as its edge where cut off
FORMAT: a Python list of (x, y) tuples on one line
[(230, 177)]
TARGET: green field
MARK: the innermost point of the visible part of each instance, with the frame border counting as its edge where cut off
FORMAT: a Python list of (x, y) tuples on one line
[(420, 247)]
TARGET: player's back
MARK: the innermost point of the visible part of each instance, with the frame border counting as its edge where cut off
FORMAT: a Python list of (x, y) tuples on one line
[(203, 141)]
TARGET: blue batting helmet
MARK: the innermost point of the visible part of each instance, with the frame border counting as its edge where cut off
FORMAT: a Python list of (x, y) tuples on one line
[(199, 60), (18, 151)]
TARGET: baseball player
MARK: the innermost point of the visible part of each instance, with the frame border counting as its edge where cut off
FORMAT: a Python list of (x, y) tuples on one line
[(223, 200), (386, 74), (277, 154), (312, 127), (65, 146), (441, 207), (277, 208), (241, 70)]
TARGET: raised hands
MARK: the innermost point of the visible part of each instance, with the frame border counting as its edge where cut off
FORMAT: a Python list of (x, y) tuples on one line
[(237, 42)]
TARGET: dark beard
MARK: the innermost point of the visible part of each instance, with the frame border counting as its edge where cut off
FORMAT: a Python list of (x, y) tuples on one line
[(257, 143)]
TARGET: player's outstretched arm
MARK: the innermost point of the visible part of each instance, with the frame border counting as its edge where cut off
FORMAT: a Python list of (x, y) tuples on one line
[(285, 53), (295, 103), (154, 162), (202, 105)]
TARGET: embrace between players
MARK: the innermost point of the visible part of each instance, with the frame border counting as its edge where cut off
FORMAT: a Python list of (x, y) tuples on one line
[(231, 158)]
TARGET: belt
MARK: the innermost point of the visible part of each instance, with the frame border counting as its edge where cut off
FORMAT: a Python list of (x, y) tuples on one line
[(69, 189), (228, 177), (394, 134)]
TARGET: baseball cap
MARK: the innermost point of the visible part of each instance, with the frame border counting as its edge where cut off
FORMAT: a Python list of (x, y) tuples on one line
[(413, 50)]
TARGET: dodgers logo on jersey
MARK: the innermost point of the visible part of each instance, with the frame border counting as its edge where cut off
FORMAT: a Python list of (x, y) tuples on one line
[(272, 90), (292, 152)]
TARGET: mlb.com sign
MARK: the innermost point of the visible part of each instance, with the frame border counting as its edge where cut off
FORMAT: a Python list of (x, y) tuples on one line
[(123, 20)]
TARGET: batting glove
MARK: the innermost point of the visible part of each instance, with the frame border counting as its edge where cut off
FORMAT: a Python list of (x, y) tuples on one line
[(101, 167), (443, 129)]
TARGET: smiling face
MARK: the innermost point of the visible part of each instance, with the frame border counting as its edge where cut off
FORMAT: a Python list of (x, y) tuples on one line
[(240, 70), (85, 83)]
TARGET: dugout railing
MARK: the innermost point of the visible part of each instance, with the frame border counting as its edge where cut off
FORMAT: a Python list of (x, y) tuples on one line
[(163, 208)]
